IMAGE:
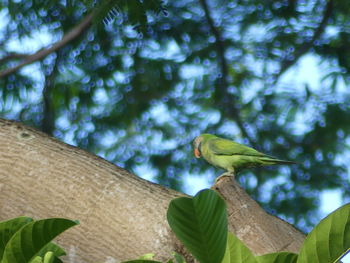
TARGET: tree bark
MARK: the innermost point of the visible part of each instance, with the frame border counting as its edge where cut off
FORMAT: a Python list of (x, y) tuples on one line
[(260, 231), (121, 215)]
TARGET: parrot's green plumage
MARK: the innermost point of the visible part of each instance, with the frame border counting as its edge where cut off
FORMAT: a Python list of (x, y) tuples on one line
[(230, 155)]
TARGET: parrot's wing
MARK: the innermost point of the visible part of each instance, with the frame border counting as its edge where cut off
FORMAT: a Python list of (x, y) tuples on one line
[(226, 147)]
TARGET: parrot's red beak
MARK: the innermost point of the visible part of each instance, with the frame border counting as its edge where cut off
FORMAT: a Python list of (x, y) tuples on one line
[(197, 153)]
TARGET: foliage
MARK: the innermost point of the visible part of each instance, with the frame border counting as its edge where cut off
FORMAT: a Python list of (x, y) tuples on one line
[(326, 242), (199, 222), (148, 76), (236, 251), (24, 240), (329, 239), (280, 257)]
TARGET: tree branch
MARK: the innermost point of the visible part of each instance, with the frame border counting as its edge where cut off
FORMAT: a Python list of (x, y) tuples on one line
[(286, 64), (121, 215), (260, 231), (11, 56), (74, 33)]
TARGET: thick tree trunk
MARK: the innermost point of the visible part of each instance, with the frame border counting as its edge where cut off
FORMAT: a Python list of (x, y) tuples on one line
[(121, 216)]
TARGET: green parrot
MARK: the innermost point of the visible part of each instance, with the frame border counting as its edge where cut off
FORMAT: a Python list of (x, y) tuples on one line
[(230, 155)]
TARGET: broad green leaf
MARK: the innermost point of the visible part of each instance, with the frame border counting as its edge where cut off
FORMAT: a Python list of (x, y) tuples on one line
[(27, 243), (329, 239), (201, 224), (227, 255), (279, 257), (8, 228), (237, 252)]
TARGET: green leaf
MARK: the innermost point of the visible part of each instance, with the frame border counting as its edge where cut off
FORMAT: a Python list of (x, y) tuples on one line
[(49, 257), (37, 259), (227, 255), (237, 252), (141, 261), (329, 239), (179, 258), (201, 224), (57, 260), (147, 256), (279, 257), (27, 243), (144, 259), (52, 247), (10, 227)]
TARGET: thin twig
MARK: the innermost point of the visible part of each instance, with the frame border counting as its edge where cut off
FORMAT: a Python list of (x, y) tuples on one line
[(74, 33)]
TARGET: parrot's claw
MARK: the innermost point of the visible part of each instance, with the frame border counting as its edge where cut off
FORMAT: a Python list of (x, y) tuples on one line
[(226, 174)]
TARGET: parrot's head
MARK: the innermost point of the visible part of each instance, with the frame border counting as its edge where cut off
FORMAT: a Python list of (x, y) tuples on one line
[(199, 141), (196, 146)]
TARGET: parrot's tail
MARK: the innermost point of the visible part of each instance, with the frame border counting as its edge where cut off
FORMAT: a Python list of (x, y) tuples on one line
[(275, 161)]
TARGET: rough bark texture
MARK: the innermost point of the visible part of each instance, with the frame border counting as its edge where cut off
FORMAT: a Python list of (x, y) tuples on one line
[(121, 216), (260, 231)]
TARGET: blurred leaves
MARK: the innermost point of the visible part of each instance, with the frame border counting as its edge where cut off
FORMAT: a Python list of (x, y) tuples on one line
[(134, 11)]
